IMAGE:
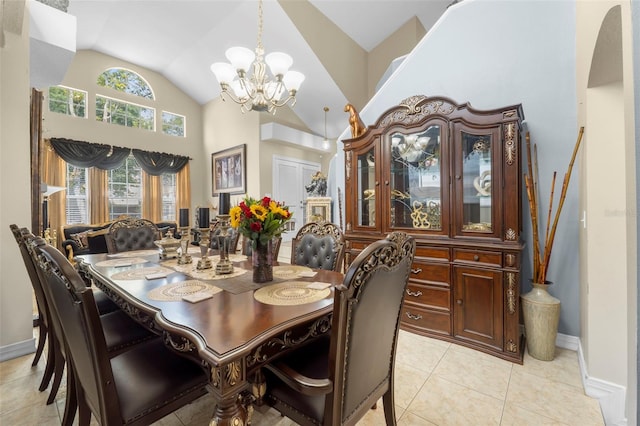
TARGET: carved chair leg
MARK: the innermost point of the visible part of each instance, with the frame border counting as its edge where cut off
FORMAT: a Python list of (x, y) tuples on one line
[(84, 413), (48, 369), (57, 375), (389, 407), (42, 337), (71, 401)]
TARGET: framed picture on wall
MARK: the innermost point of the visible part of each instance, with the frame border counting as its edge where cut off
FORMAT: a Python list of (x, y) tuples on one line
[(229, 170)]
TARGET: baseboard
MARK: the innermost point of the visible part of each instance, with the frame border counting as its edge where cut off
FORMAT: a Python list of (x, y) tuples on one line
[(16, 350), (610, 396), (567, 342)]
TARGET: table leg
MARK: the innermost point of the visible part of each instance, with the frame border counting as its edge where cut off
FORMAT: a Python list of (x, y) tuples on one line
[(231, 412)]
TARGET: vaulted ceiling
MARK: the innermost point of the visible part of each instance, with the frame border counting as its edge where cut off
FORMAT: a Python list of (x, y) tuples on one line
[(181, 39)]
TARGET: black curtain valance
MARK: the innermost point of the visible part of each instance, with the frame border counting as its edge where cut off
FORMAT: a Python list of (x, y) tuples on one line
[(85, 154), (108, 157), (157, 163)]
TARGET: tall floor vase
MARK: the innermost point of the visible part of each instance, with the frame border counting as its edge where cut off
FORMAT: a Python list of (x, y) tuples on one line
[(541, 317)]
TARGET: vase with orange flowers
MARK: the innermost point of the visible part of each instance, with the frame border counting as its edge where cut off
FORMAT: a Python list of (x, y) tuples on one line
[(260, 221)]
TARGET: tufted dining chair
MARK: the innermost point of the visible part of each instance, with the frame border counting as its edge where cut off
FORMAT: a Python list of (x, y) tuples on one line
[(131, 233), (336, 379), (137, 386), (54, 364), (120, 331), (44, 322), (318, 245)]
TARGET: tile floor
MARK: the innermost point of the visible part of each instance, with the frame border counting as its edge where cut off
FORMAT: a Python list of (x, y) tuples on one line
[(437, 383)]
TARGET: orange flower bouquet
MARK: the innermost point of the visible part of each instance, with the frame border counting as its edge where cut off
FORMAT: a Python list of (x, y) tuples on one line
[(259, 220)]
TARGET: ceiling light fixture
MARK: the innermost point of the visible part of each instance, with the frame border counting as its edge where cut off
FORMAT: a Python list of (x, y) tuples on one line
[(258, 91), (325, 142)]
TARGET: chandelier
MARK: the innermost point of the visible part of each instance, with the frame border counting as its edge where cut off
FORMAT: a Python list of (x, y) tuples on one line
[(257, 91)]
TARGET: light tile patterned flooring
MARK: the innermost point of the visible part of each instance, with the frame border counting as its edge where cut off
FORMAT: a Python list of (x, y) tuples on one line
[(437, 383)]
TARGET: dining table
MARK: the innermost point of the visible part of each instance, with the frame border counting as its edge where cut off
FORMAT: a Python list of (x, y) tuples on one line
[(229, 324)]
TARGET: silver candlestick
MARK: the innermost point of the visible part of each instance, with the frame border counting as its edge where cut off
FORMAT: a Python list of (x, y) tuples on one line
[(185, 257), (224, 266), (204, 262)]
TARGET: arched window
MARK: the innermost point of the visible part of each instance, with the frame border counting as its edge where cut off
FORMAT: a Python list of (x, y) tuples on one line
[(124, 80)]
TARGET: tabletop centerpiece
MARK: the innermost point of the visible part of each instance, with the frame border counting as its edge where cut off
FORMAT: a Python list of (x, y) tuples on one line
[(260, 221)]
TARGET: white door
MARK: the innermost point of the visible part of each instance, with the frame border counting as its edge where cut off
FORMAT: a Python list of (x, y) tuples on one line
[(289, 179)]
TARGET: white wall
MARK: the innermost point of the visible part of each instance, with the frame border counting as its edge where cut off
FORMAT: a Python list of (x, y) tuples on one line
[(85, 68), (524, 52), (605, 80), (225, 126), (16, 332)]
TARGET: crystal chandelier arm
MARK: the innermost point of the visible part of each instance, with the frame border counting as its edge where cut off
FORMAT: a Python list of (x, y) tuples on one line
[(282, 102)]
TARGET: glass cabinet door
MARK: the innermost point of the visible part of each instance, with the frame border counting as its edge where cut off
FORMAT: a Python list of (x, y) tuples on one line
[(366, 196), (416, 179), (476, 182)]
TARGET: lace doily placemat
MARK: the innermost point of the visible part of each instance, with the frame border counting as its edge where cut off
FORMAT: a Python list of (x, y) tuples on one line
[(135, 253), (290, 293), (140, 273), (201, 274), (122, 262), (291, 271), (175, 291), (214, 256)]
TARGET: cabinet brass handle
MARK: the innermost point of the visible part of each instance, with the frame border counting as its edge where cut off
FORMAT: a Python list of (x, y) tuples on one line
[(377, 183), (476, 257), (386, 182), (414, 317), (416, 294), (416, 270), (459, 301)]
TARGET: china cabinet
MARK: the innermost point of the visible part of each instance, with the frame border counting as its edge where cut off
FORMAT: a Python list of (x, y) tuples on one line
[(449, 175)]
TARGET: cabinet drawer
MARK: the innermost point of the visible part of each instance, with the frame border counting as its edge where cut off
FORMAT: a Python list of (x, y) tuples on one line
[(491, 258), (425, 320), (427, 273), (358, 245), (432, 253), (429, 297)]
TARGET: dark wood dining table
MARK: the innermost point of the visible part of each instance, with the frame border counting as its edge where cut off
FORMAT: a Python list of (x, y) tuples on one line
[(230, 334)]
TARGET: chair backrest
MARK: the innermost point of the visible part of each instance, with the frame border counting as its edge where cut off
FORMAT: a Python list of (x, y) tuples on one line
[(366, 320), (21, 235), (131, 233), (318, 245), (73, 305)]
